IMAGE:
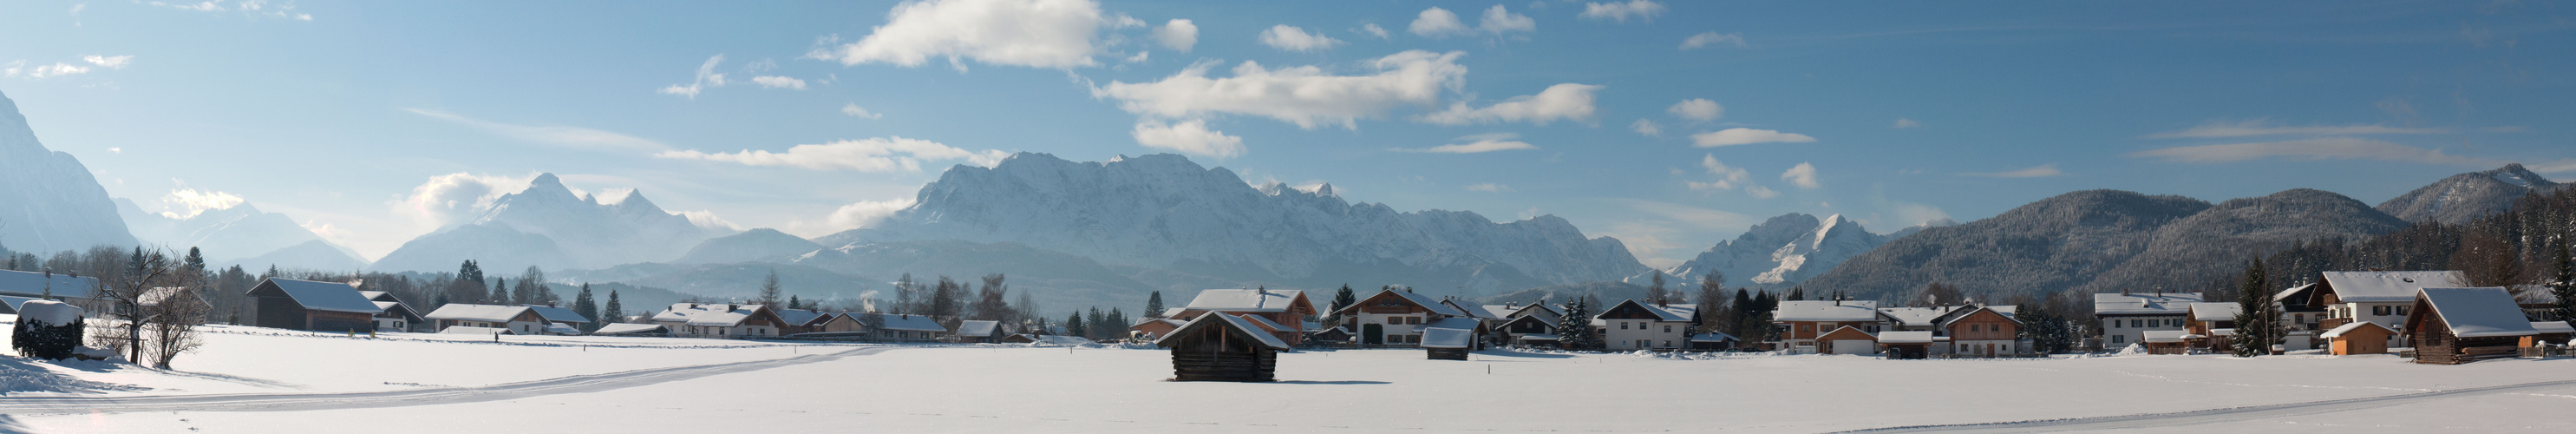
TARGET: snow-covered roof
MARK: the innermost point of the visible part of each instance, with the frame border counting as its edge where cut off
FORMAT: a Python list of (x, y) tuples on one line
[(1229, 321), (2171, 303), (1918, 315), (718, 318), (1245, 300), (2339, 331), (1500, 310), (910, 323), (2284, 295), (1539, 337), (2215, 311), (2478, 312), (2389, 286), (562, 329), (154, 296), (387, 305), (1472, 310), (1898, 337), (35, 283), (2165, 336), (1265, 323), (1826, 310), (800, 316), (978, 327), (50, 312), (2222, 332), (14, 301), (2552, 327), (557, 314), (1447, 338), (626, 329), (330, 296), (376, 295), (1533, 309), (1453, 323), (464, 330), (1662, 313), (477, 312)]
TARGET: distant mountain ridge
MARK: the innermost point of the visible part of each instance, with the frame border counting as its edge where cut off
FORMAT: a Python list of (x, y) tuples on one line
[(547, 225), (1165, 212), (2103, 241), (1784, 251), (241, 234), (2466, 196), (49, 202)]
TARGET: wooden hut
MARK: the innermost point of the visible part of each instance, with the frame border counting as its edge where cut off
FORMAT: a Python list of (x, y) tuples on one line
[(1222, 348), (2167, 341), (312, 306), (2451, 326), (1448, 343), (2552, 332), (2358, 337)]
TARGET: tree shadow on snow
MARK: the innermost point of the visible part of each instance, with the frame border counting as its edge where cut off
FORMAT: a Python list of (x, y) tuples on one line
[(10, 425), (1331, 382)]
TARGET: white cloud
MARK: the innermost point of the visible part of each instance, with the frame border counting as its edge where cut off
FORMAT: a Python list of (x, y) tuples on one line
[(1177, 35), (883, 154), (460, 197), (2261, 127), (779, 82), (19, 68), (707, 219), (707, 77), (1477, 144), (1621, 12), (1303, 95), (2328, 148), (854, 110), (184, 204), (1373, 30), (1490, 188), (1803, 175), (2039, 171), (209, 6), (1499, 21), (1564, 101), (1291, 38), (1438, 23), (1697, 109), (1705, 39), (573, 137), (111, 62), (865, 213), (1746, 136), (1723, 177), (1650, 238), (1907, 123), (1919, 214), (1032, 33), (1647, 128), (1760, 192), (1188, 137)]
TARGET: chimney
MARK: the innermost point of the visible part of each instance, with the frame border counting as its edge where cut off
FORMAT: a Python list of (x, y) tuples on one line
[(729, 308)]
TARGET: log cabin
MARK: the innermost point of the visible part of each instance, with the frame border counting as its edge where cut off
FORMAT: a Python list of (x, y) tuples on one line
[(2358, 337), (2451, 326), (312, 306), (1222, 348), (1448, 343)]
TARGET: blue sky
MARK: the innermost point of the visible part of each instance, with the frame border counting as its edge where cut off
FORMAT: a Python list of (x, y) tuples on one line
[(376, 122)]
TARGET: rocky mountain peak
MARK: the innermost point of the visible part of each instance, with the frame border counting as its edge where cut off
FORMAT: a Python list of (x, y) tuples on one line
[(2467, 196)]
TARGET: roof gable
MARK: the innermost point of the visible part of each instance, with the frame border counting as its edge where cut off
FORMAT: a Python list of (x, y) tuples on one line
[(325, 296), (1633, 309), (1846, 333), (2170, 303), (1228, 324), (2387, 286), (978, 327), (1827, 310), (2476, 312), (1251, 300), (1384, 296), (2365, 328)]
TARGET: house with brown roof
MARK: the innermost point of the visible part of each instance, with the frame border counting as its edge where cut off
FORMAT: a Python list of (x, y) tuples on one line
[(1803, 324), (2212, 326), (1392, 317), (1287, 308)]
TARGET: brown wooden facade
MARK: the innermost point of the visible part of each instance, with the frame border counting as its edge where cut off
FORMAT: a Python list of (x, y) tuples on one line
[(2436, 344), (1218, 349), (275, 309)]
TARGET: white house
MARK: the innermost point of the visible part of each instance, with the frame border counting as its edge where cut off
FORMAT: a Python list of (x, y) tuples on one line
[(2126, 318), (1801, 322), (2383, 297), (719, 320), (1393, 317), (1635, 325), (562, 319), (515, 319)]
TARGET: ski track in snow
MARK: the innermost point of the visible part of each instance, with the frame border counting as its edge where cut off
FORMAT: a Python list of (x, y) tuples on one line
[(2231, 414), (401, 398)]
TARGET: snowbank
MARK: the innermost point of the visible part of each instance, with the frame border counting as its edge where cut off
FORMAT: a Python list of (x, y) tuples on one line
[(48, 312)]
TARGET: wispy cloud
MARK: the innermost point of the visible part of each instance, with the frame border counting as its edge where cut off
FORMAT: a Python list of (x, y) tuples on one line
[(2039, 171), (1565, 101), (779, 82), (1477, 144), (573, 137), (1053, 34), (1647, 127), (1708, 39), (1489, 188), (1803, 175), (707, 77), (1746, 136), (1697, 109), (2262, 127), (1188, 137), (1642, 10), (2311, 149), (886, 154), (1902, 123), (1302, 95), (1291, 38)]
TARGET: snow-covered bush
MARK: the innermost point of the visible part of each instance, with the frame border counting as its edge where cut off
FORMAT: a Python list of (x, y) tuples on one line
[(46, 330)]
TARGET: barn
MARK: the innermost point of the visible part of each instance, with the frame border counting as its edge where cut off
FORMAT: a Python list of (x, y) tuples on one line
[(1222, 348), (1448, 343), (313, 306), (2358, 337), (2451, 326)]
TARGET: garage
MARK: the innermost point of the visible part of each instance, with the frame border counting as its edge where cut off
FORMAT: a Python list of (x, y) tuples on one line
[(1848, 340)]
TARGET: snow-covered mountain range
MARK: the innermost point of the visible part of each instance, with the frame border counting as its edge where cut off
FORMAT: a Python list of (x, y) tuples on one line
[(49, 202), (2466, 196), (238, 234), (549, 226), (1165, 212), (1785, 250)]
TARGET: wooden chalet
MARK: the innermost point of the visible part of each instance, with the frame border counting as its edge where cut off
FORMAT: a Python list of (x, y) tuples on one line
[(1973, 330), (2451, 326), (2165, 341), (1154, 328), (1285, 308), (2212, 326), (2384, 297), (1222, 348), (2358, 337), (2552, 332), (1803, 324), (1448, 343), (1847, 340), (312, 306), (1392, 317), (398, 316)]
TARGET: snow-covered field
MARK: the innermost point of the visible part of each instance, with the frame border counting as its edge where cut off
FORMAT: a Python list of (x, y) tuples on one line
[(1001, 389)]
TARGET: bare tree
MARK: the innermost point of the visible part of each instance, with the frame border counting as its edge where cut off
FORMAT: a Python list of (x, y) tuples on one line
[(127, 290), (769, 290), (175, 313)]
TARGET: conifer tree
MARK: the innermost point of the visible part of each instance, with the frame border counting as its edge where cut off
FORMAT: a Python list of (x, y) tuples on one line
[(1798, 293), (587, 307), (2563, 284), (1154, 305), (500, 291), (2253, 325), (1073, 325), (615, 311), (1574, 330)]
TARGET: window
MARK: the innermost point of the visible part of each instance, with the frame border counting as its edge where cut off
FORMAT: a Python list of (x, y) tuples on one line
[(2401, 311), (2137, 323), (1412, 320), (2299, 318), (2119, 338), (1972, 327), (1668, 328), (1394, 320), (1804, 328), (2379, 310)]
